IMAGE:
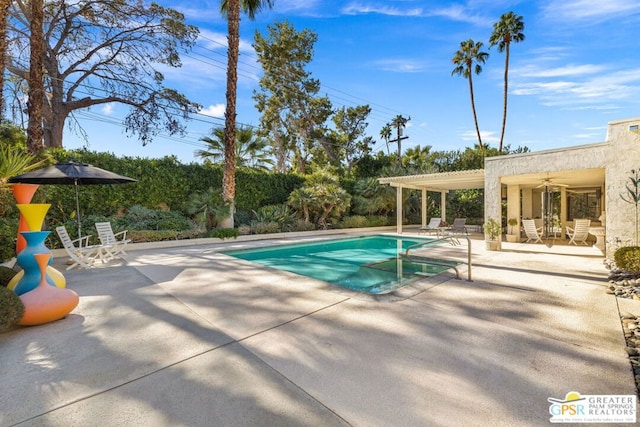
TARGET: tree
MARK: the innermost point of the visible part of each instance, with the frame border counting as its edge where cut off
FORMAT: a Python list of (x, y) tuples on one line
[(250, 149), (231, 9), (350, 125), (98, 52), (418, 158), (385, 133), (506, 31), (320, 198), (4, 16), (36, 85), (293, 116), (469, 53), (399, 123)]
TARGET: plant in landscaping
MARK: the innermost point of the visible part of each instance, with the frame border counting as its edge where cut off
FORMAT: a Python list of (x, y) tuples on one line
[(512, 222), (628, 258), (492, 229), (11, 308), (6, 274)]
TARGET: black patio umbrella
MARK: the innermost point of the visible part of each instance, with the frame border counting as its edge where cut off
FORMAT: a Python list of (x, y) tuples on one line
[(71, 173)]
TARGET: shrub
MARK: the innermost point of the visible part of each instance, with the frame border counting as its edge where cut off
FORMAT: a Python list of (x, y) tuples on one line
[(8, 234), (6, 274), (265, 227), (142, 236), (11, 308), (302, 225), (244, 230), (628, 258), (279, 214), (222, 233), (355, 221), (378, 220)]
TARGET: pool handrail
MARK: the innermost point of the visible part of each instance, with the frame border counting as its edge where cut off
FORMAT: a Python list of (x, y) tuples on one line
[(454, 242)]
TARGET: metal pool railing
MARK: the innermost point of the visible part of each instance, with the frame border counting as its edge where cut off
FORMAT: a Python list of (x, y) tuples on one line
[(454, 241)]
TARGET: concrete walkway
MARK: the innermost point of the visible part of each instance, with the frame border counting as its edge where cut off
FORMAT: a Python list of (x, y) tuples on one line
[(186, 336)]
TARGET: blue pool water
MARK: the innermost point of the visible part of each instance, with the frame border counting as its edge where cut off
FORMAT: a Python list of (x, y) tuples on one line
[(365, 264)]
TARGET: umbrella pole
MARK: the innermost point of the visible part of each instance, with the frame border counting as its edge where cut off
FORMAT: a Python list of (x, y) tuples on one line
[(75, 184)]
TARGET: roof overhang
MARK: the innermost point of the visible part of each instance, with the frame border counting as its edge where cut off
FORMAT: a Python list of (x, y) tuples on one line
[(443, 181)]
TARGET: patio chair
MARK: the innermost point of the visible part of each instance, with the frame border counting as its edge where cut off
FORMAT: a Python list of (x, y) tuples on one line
[(115, 242), (82, 255), (433, 226), (530, 230), (458, 226), (579, 232)]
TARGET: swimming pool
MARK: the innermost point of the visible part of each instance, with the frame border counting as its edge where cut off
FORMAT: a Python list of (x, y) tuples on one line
[(368, 264)]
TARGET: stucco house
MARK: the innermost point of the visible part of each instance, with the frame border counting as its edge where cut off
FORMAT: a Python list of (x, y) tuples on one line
[(553, 187)]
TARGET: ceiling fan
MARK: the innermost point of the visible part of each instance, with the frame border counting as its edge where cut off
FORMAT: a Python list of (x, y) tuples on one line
[(549, 183)]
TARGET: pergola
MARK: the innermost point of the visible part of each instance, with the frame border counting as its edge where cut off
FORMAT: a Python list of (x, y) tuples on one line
[(437, 182)]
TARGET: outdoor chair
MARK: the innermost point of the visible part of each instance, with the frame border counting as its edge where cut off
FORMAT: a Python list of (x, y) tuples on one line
[(433, 226), (83, 255), (579, 232), (116, 242), (458, 226), (532, 233)]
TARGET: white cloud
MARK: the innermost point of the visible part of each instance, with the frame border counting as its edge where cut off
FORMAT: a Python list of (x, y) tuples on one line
[(594, 10), (214, 110), (400, 65), (107, 109), (457, 12), (487, 136), (361, 8), (564, 71)]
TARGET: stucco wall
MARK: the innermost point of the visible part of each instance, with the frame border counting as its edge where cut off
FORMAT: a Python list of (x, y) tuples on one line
[(623, 156), (618, 156)]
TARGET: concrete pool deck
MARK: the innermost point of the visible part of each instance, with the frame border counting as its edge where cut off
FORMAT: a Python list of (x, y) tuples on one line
[(186, 336)]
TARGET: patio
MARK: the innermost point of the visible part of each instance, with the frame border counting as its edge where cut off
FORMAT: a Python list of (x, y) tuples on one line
[(187, 336)]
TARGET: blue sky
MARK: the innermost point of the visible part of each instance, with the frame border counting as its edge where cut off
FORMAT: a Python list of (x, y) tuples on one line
[(577, 69)]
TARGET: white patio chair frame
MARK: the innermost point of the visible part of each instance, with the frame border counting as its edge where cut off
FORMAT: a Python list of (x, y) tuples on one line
[(458, 226), (579, 232), (531, 231), (116, 242), (83, 255)]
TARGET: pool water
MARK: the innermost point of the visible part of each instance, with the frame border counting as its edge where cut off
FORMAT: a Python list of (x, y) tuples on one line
[(366, 264)]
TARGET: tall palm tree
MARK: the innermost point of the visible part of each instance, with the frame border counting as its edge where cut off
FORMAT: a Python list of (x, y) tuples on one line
[(385, 133), (231, 9), (4, 17), (399, 123), (469, 53), (506, 31), (35, 133)]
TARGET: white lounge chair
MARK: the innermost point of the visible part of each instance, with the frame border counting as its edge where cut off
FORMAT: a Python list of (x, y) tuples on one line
[(83, 255), (115, 242), (433, 226), (579, 232), (532, 233)]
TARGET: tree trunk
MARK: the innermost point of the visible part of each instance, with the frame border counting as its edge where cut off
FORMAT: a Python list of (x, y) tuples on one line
[(473, 108), (229, 178), (4, 15), (36, 84), (506, 89)]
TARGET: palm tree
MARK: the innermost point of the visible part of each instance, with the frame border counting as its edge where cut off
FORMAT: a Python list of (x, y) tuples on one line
[(469, 53), (385, 133), (4, 16), (399, 123), (35, 133), (231, 9), (506, 31), (250, 149)]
